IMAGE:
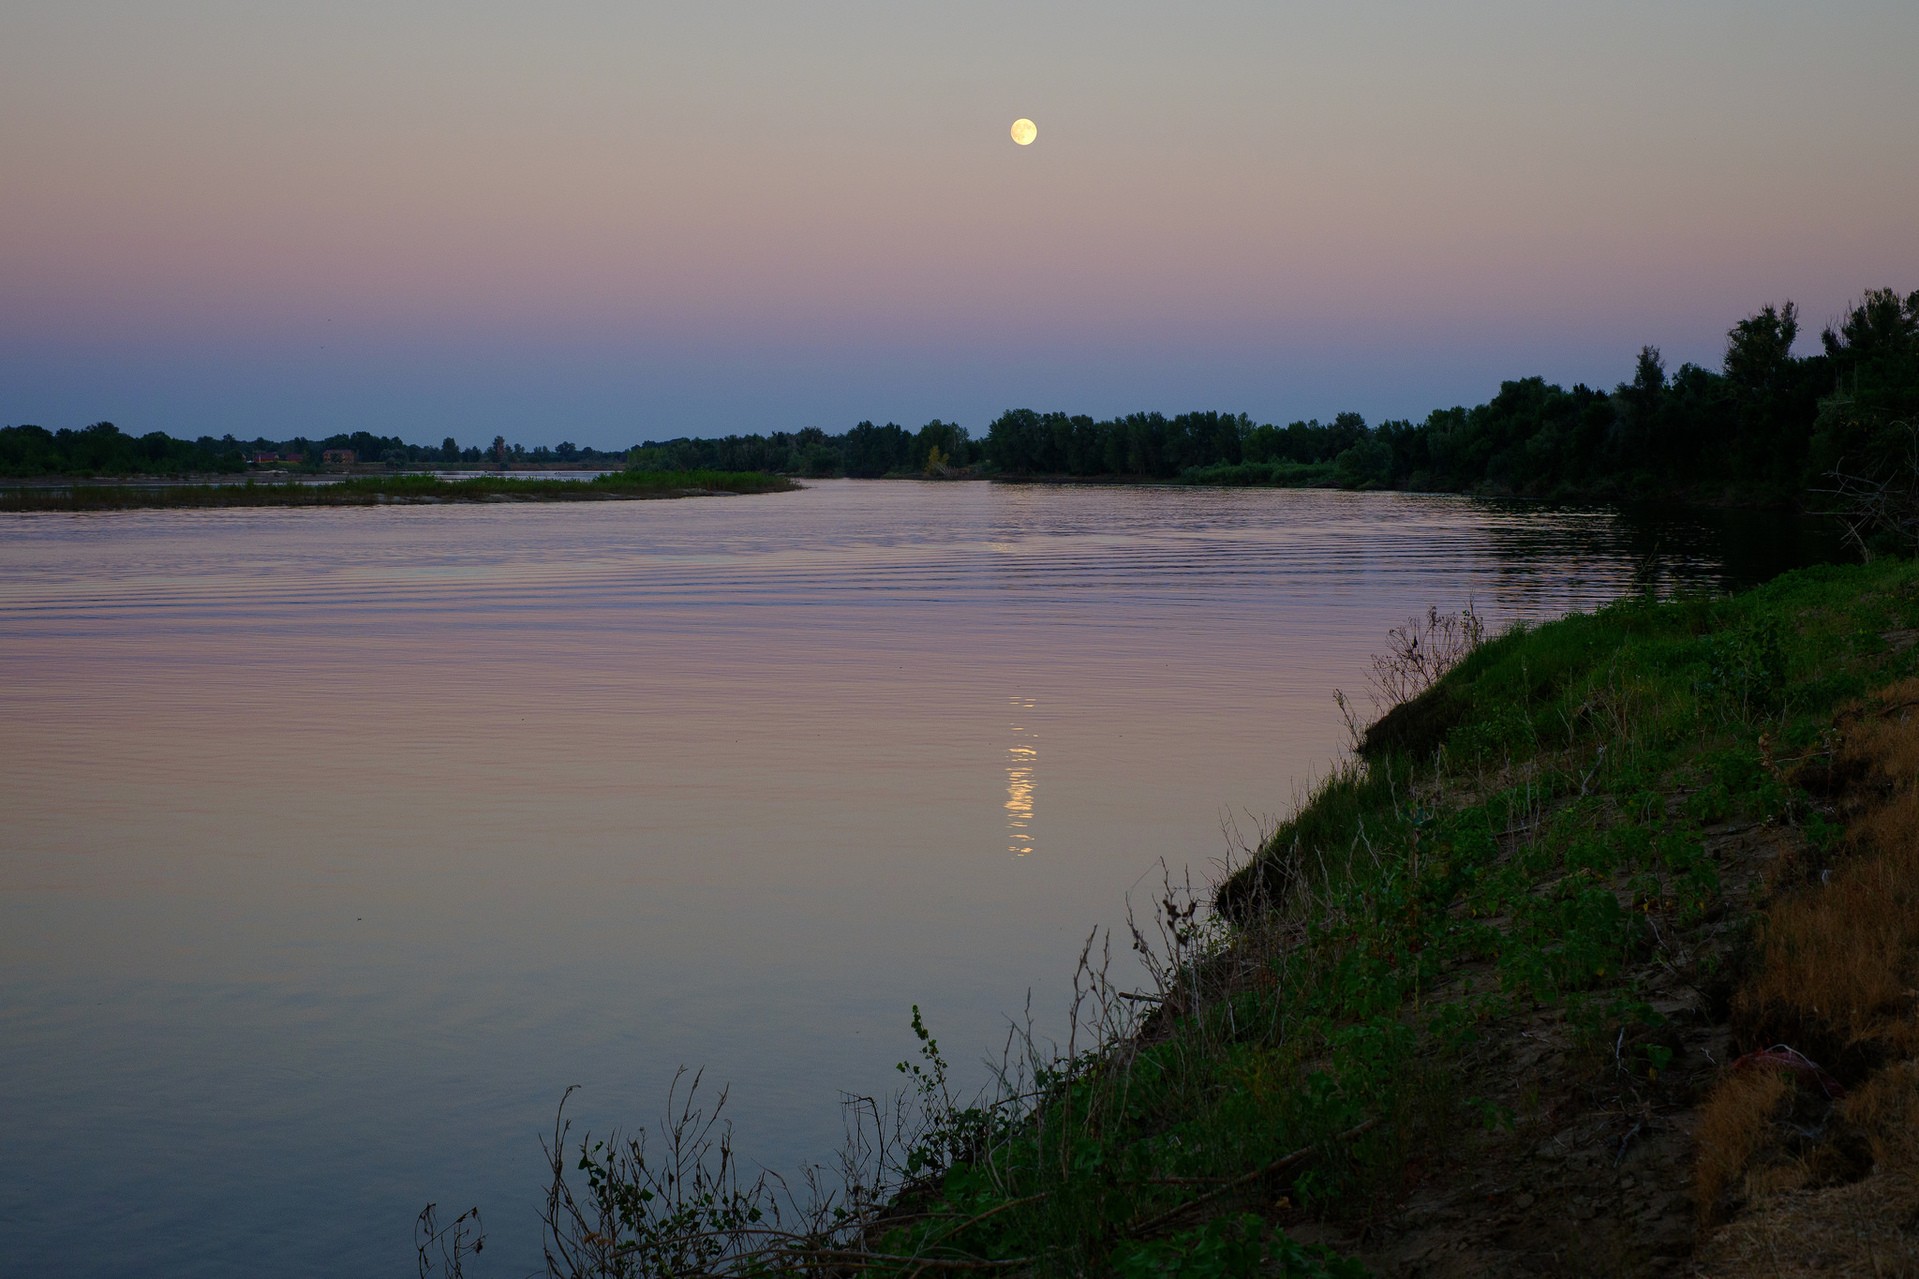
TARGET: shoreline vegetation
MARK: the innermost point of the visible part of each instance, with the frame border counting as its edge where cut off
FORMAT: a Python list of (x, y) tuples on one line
[(1768, 429), (1597, 954), (372, 490)]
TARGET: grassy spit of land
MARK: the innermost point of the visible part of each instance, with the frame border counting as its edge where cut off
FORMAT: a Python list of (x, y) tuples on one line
[(391, 489), (1599, 955)]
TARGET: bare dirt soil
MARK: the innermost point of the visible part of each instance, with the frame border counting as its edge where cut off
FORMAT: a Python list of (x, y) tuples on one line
[(1597, 1164)]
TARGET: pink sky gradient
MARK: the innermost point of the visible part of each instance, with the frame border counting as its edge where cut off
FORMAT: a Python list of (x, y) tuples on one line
[(608, 222)]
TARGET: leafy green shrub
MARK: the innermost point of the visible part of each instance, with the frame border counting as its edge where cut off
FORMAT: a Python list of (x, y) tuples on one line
[(1746, 667)]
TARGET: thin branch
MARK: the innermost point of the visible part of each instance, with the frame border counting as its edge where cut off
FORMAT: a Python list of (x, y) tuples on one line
[(1258, 1174)]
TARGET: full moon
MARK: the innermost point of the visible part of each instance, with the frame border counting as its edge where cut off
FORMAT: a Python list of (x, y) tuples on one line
[(1024, 132)]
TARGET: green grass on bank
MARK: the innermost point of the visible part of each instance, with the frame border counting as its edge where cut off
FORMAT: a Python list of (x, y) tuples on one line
[(375, 489), (1530, 835), (1536, 840)]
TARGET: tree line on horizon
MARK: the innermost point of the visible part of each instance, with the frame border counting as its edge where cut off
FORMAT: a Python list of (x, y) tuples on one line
[(1765, 426), (103, 449)]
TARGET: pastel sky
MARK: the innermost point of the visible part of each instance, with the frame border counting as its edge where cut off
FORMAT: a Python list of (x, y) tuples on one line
[(609, 222)]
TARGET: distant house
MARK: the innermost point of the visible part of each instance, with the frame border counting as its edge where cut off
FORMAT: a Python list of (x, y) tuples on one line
[(338, 457), (261, 459)]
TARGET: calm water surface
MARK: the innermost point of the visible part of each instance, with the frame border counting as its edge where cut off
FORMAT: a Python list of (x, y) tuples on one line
[(334, 844)]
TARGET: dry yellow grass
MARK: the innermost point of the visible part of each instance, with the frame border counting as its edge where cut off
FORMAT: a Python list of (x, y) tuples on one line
[(1859, 1229), (1733, 1124), (1886, 1110), (1841, 958), (1886, 736), (1844, 956)]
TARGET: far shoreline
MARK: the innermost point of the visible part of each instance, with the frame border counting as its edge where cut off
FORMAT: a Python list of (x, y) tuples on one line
[(79, 493)]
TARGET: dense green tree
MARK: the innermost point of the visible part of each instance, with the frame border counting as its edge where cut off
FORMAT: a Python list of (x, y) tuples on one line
[(1366, 464), (949, 438), (1759, 351), (1874, 369), (103, 449), (868, 451)]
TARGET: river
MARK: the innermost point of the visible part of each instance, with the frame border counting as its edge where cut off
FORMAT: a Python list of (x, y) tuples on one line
[(338, 842)]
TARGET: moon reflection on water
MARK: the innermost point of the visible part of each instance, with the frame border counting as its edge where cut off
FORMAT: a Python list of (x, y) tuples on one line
[(1021, 758)]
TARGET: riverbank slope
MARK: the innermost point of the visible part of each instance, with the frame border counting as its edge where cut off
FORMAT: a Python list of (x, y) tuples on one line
[(1598, 957)]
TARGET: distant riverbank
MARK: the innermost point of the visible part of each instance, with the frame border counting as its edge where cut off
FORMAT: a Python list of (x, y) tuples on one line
[(82, 495)]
